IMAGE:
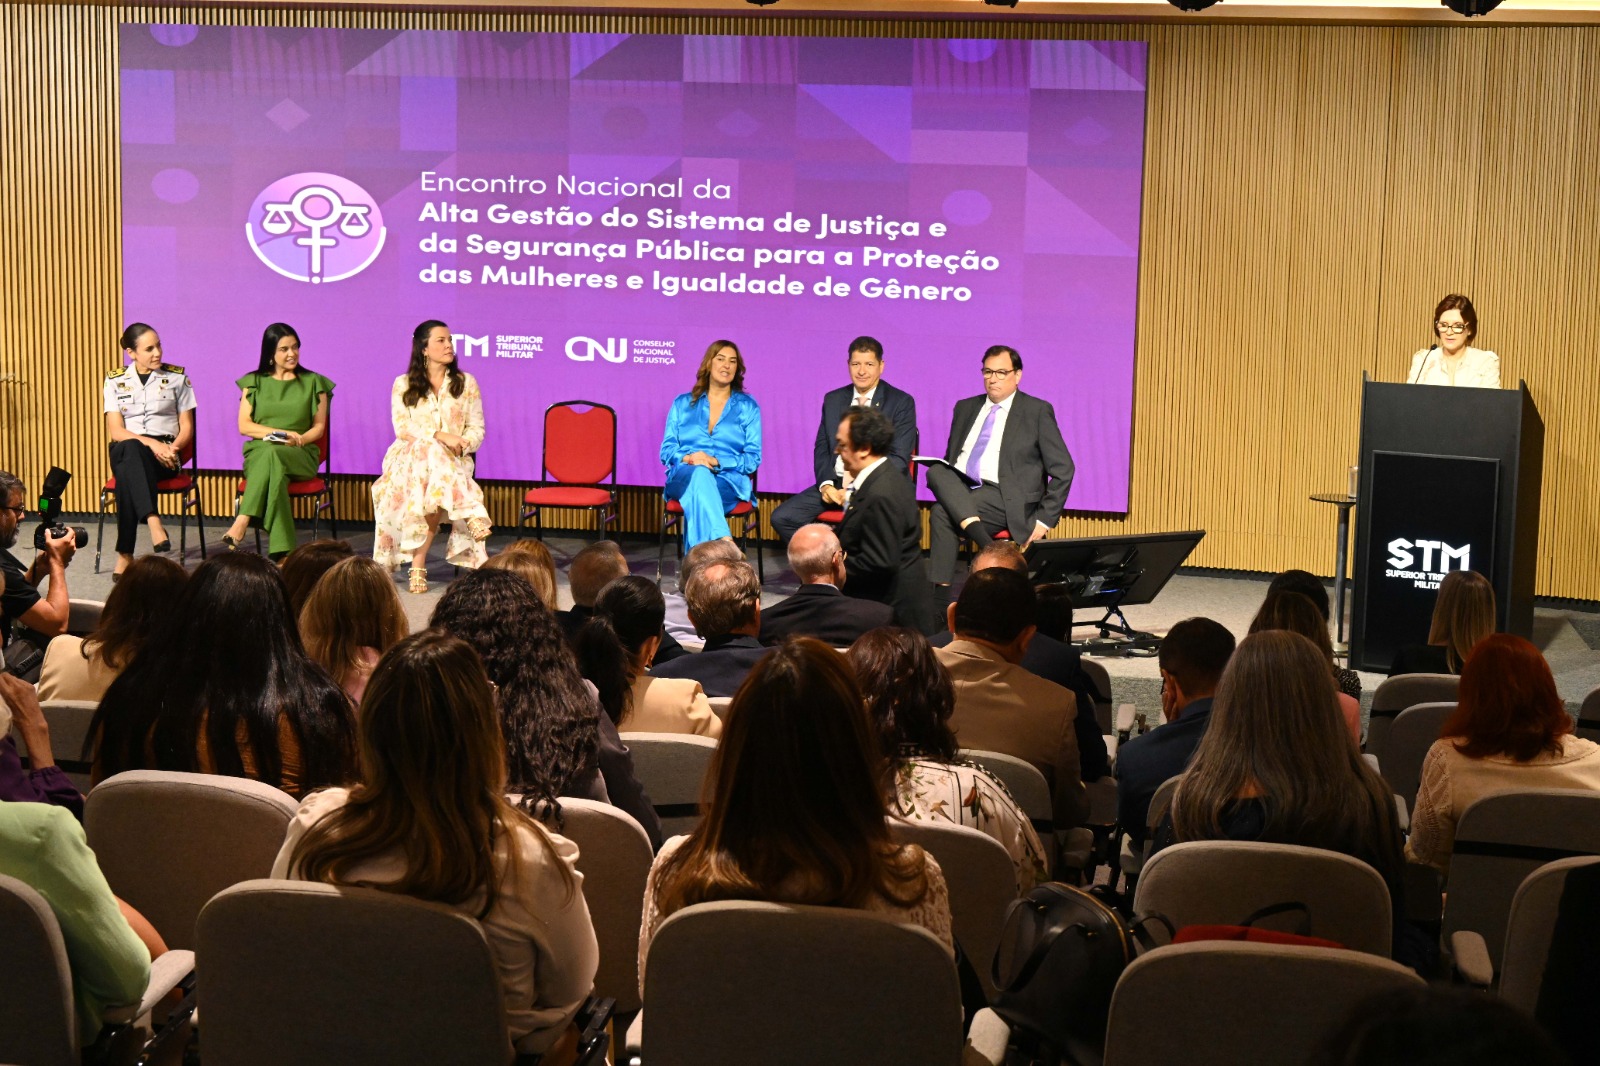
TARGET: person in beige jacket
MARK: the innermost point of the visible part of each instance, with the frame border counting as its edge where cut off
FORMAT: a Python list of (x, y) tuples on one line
[(999, 705)]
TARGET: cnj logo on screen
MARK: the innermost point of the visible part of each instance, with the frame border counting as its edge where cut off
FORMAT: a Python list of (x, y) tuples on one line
[(1425, 562), (586, 349), (315, 227)]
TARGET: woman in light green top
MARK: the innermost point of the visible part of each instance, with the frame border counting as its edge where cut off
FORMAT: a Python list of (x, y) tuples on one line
[(284, 411)]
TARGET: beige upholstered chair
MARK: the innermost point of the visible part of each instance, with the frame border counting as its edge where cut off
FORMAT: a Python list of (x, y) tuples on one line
[(1399, 692), (1104, 715), (169, 841), (69, 733), (1411, 734), (982, 881), (720, 705), (1023, 780), (1222, 882), (1134, 855), (672, 769)]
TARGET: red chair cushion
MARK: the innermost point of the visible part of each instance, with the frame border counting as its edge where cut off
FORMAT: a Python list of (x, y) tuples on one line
[(833, 518), (181, 483), (1004, 534), (562, 496), (743, 507), (312, 487)]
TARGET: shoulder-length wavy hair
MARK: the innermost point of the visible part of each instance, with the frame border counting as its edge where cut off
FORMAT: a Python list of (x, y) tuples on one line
[(908, 692), (227, 660), (1462, 615), (702, 377), (794, 799), (354, 606), (548, 718), (531, 559), (269, 348), (432, 784), (417, 385), (138, 606), (1276, 733), (1508, 704)]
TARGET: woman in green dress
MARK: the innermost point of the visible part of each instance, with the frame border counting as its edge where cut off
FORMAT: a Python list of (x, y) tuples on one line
[(283, 410)]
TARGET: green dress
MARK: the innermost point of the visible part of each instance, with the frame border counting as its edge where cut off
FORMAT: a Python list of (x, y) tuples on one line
[(268, 468)]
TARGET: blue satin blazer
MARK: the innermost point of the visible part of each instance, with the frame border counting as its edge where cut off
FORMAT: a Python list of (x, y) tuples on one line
[(736, 444)]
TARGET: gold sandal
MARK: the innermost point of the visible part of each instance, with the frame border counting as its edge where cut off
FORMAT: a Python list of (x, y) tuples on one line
[(480, 528), (419, 579)]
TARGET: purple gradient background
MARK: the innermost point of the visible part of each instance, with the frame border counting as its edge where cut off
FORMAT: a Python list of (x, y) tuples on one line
[(1029, 151)]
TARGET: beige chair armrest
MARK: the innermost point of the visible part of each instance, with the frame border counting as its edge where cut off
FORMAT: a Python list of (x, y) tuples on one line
[(1075, 848), (166, 973), (1124, 718), (1471, 956), (986, 1040), (633, 1043), (1402, 813), (1372, 761), (1131, 860)]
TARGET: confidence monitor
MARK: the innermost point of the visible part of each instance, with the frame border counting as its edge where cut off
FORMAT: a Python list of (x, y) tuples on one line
[(1450, 480), (1112, 572)]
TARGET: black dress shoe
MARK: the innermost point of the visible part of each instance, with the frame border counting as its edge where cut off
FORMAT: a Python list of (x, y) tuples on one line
[(163, 547), (229, 543)]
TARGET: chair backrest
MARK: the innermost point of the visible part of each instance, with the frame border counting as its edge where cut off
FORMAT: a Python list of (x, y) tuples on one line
[(614, 858), (1023, 780), (83, 616), (1222, 882), (1411, 734), (1217, 1003), (1531, 928), (69, 722), (1399, 692), (300, 972), (1589, 715), (804, 985), (720, 705), (1160, 803), (38, 1020), (1104, 715), (169, 841), (982, 881), (672, 769), (187, 455), (1500, 840), (580, 442)]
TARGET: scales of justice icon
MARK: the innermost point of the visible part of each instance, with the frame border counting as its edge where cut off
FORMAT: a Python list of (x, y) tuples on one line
[(350, 220)]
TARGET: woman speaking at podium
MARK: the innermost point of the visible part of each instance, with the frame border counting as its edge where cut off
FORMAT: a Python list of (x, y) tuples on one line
[(712, 444), (1451, 360)]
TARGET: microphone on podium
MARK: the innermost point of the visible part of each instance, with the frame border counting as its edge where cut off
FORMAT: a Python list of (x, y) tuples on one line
[(1424, 364)]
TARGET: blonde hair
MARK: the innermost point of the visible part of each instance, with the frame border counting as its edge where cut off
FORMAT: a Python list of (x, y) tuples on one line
[(353, 606), (1462, 615), (530, 560)]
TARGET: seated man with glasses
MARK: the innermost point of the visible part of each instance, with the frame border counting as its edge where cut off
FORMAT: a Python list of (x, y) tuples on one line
[(819, 608), (1009, 468), (1452, 360), (20, 601)]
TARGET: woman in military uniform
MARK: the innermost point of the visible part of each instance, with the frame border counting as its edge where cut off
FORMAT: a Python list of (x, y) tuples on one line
[(149, 408)]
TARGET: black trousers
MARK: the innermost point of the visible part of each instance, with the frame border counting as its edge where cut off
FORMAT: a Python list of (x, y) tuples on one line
[(956, 503), (136, 469), (798, 510)]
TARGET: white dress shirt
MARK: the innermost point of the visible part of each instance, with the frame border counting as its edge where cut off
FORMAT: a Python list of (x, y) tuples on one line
[(860, 478), (989, 462), (1474, 368), (860, 399)]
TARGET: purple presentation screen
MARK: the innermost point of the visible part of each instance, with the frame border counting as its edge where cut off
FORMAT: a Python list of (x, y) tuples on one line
[(589, 211)]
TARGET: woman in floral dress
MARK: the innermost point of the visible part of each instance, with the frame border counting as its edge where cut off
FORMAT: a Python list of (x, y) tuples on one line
[(427, 472)]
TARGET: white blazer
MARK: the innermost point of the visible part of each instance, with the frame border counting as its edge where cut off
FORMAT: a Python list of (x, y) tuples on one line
[(1478, 369)]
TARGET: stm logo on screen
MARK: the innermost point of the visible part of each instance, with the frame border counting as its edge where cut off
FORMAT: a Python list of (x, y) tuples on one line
[(1425, 562), (315, 227)]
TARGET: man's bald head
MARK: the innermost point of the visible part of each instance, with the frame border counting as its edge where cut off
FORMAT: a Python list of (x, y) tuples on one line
[(815, 555), (1001, 553)]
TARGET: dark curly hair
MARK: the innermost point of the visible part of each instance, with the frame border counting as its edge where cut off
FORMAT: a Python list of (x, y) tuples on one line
[(908, 693), (417, 384), (550, 722)]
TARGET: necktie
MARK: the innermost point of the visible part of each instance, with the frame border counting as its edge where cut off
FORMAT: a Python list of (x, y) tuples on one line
[(975, 459)]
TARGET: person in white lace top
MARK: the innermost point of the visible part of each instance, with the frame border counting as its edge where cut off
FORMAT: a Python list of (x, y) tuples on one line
[(910, 698), (796, 813)]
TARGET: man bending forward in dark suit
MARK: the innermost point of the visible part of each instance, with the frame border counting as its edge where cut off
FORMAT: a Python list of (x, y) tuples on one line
[(819, 609), (882, 529), (1010, 442)]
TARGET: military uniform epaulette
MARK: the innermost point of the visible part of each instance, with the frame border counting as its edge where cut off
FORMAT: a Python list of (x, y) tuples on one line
[(172, 368), (117, 373)]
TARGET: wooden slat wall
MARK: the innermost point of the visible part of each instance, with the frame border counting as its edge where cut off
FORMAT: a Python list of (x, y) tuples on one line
[(1310, 193)]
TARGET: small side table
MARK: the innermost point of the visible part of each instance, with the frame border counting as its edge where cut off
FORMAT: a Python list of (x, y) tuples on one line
[(1346, 504)]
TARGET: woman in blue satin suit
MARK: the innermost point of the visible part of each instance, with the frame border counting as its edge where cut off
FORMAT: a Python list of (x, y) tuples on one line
[(712, 444)]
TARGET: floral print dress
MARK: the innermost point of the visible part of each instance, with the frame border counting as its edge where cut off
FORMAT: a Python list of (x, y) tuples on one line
[(421, 476), (931, 791)]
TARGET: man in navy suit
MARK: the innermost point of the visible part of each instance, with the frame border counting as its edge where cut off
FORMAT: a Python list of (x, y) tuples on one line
[(867, 388), (819, 609), (1015, 469), (725, 606)]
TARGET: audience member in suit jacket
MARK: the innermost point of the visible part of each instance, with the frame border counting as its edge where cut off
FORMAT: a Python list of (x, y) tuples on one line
[(819, 609), (1010, 443), (866, 388), (725, 606), (882, 529)]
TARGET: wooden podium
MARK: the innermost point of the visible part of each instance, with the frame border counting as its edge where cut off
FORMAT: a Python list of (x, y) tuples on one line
[(1449, 481)]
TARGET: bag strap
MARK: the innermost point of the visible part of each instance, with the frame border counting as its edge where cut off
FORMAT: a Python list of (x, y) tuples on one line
[(1041, 947), (1272, 910)]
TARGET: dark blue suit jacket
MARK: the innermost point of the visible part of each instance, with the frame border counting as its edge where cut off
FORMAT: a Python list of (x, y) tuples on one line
[(897, 404), (1144, 762), (721, 668)]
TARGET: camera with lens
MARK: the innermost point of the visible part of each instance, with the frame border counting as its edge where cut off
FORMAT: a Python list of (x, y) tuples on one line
[(50, 525)]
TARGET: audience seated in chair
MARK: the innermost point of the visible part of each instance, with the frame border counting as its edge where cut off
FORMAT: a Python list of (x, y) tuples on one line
[(796, 811), (558, 741), (725, 606), (593, 568), (724, 550), (351, 618), (1276, 764), (225, 687), (533, 561), (909, 701), (1463, 614), (818, 608), (42, 781), (304, 567), (1510, 732), (82, 668), (430, 819), (1311, 587), (1296, 613), (999, 705), (615, 648), (1052, 658), (1193, 655)]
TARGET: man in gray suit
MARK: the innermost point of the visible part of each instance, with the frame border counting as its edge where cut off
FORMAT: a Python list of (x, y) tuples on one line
[(1009, 468)]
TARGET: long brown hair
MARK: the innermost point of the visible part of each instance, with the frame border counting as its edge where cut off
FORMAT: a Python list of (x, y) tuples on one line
[(1462, 615), (1508, 703), (794, 798), (417, 383), (136, 608), (1276, 731), (702, 377), (353, 607), (433, 782), (1296, 613)]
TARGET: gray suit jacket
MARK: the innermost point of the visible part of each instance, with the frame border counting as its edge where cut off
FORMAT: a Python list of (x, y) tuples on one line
[(1035, 466)]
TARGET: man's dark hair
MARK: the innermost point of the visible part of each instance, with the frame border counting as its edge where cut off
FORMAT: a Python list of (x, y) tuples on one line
[(1055, 610), (869, 428), (865, 344), (995, 605), (1306, 584), (1001, 349), (1195, 652), (10, 483), (593, 568)]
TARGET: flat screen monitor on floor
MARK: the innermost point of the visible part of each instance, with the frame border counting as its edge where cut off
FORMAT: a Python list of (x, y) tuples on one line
[(1112, 572)]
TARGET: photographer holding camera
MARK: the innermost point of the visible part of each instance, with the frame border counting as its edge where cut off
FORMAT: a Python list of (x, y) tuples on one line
[(20, 601)]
